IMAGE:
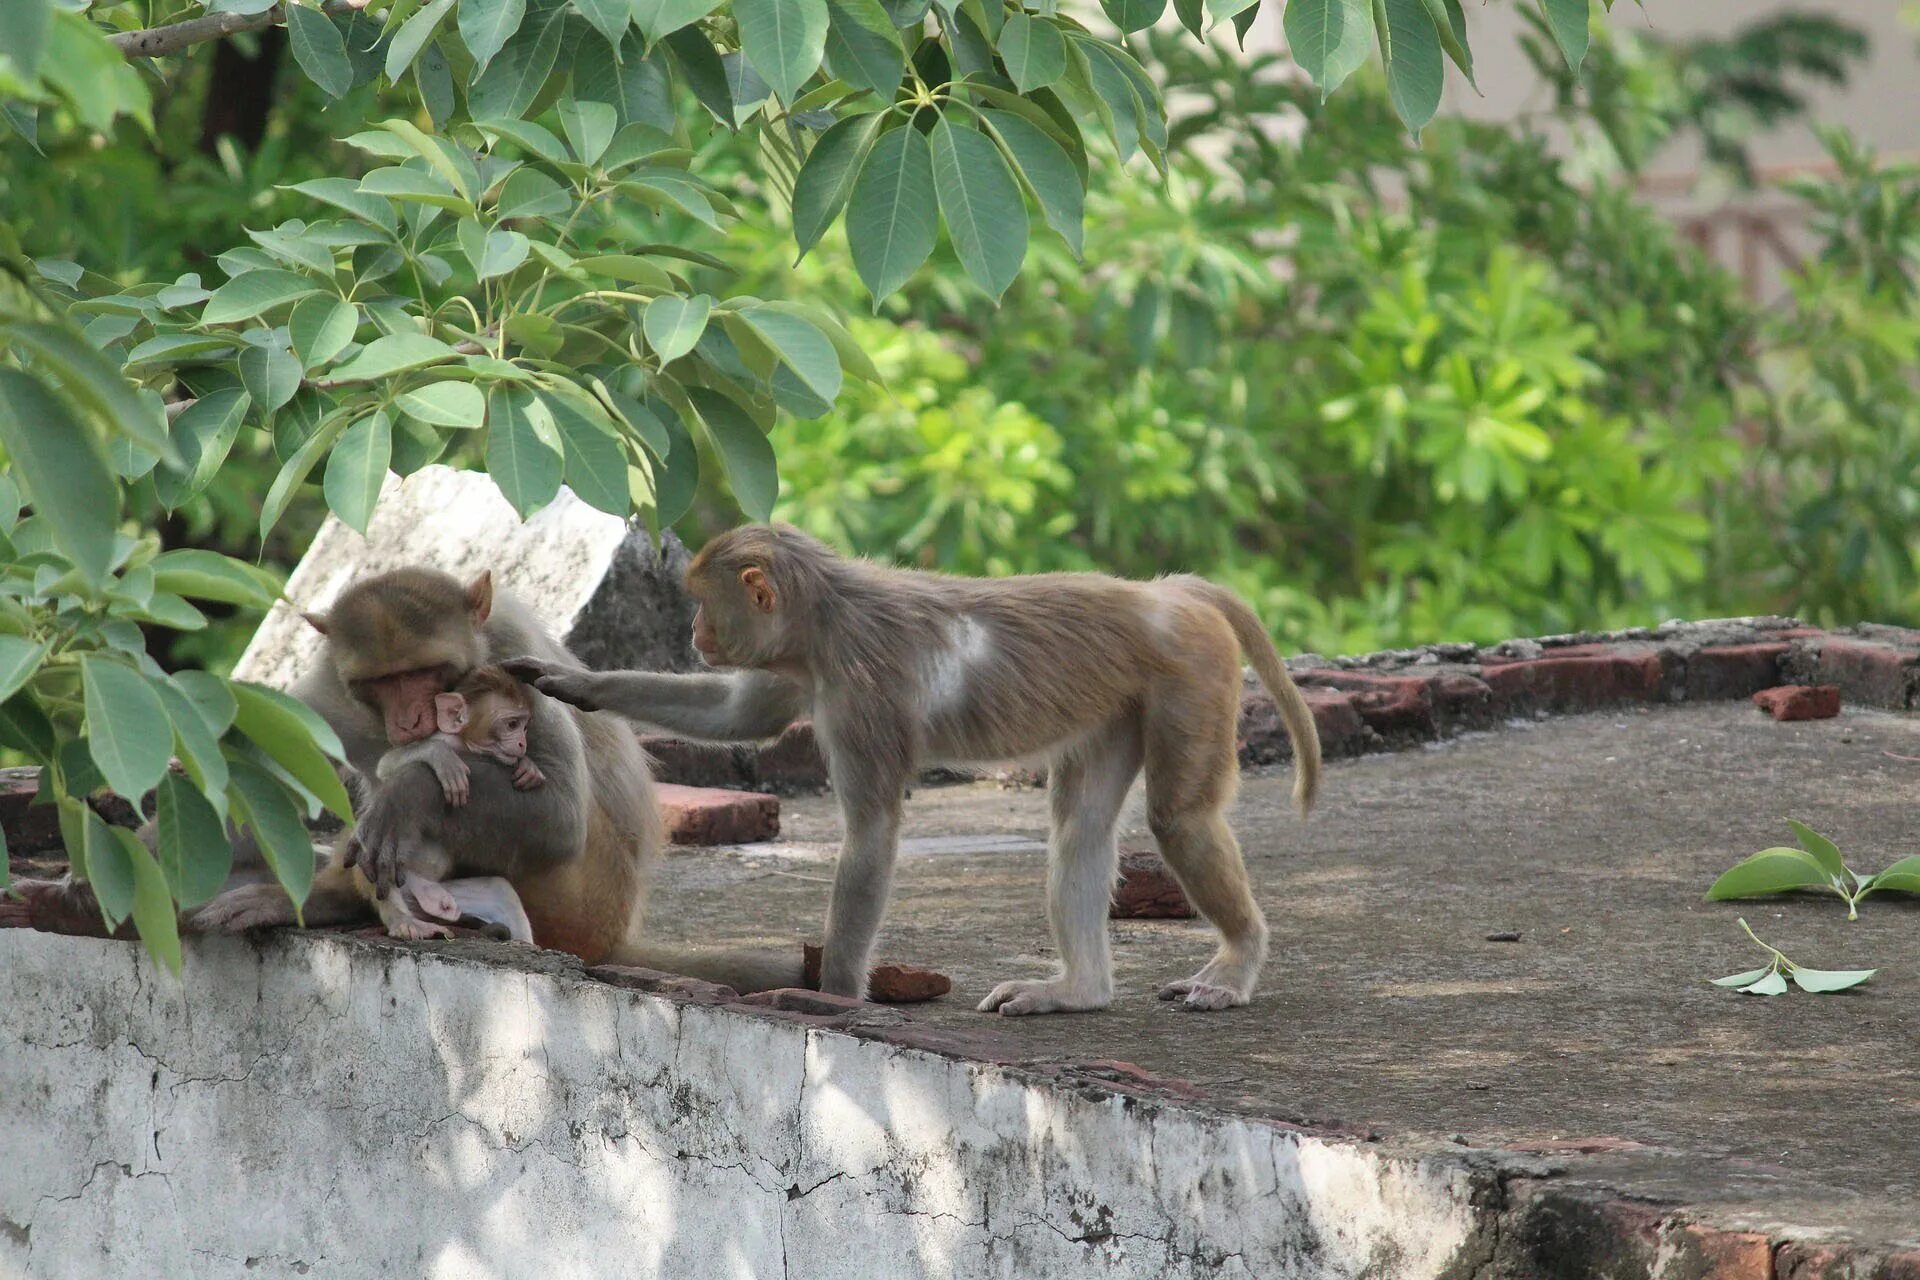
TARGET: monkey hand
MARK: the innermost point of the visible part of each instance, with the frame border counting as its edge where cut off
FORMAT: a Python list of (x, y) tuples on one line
[(571, 685), (527, 775), (382, 839), (454, 776)]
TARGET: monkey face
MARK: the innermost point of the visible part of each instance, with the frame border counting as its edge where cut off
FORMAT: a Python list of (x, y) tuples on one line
[(510, 734), (406, 701), (736, 624)]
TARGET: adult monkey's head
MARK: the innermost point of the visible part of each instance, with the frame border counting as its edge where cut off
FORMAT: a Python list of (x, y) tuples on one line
[(398, 639), (753, 586)]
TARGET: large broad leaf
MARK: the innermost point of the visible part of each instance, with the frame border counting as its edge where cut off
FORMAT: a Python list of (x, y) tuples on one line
[(196, 743), (1770, 871), (893, 216), (524, 450), (596, 468), (297, 468), (703, 72), (271, 375), (64, 470), (1328, 38), (90, 379), (514, 79), (1746, 979), (412, 37), (609, 17), (1568, 21), (486, 25), (259, 800), (1134, 15), (444, 404), (128, 733), (109, 867), (210, 696), (1773, 984), (1450, 24), (320, 49), (492, 253), (986, 218), (191, 840), (246, 296), (19, 659), (208, 575), (154, 914), (1903, 876), (801, 347), (345, 194), (864, 47), (204, 435), (660, 18), (743, 449), (1047, 172), (1410, 47), (784, 40), (358, 468), (1033, 50), (827, 178), (23, 33), (637, 84), (1224, 9), (320, 329), (395, 353), (1829, 979), (673, 324), (288, 737), (1824, 851)]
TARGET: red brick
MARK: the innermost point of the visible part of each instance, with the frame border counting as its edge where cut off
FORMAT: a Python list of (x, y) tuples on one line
[(1128, 1074), (1879, 675), (1576, 1146), (1392, 706), (1901, 1266), (792, 762), (1800, 701), (1576, 678), (800, 1000), (704, 815), (1734, 670), (886, 983), (1147, 890), (670, 984)]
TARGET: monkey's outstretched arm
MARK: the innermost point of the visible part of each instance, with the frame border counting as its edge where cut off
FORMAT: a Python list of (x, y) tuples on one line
[(737, 706)]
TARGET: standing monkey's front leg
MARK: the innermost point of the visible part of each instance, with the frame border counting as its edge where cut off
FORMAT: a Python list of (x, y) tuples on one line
[(863, 877)]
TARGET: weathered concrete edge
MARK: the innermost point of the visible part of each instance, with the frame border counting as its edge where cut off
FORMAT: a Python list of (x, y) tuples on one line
[(308, 1098), (1402, 698)]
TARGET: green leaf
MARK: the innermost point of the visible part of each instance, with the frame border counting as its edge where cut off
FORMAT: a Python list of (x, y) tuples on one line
[(801, 348), (1902, 877), (412, 37), (1328, 38), (1829, 979), (211, 697), (986, 218), (1034, 52), (154, 914), (23, 35), (1047, 172), (1133, 15), (89, 378), (677, 480), (589, 127), (1770, 871), (319, 49), (415, 185), (345, 194), (660, 18), (128, 733), (864, 47), (743, 449), (19, 659), (524, 450), (641, 423), (444, 404), (320, 329), (827, 178), (1410, 47), (294, 473), (1567, 19), (596, 467), (63, 469), (288, 738), (703, 72), (208, 575), (1450, 24), (609, 17), (1772, 985), (1224, 9), (109, 867), (168, 347), (1746, 979), (784, 40), (892, 218), (1824, 851), (246, 296), (486, 25), (528, 193), (492, 253), (196, 743), (673, 324), (191, 840), (259, 801), (358, 468), (510, 85), (271, 374), (204, 436), (395, 353), (637, 84)]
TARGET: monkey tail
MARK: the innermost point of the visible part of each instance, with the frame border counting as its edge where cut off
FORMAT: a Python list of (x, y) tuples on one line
[(1258, 647), (744, 971)]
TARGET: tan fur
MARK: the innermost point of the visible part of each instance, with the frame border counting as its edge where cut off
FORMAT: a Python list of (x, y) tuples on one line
[(899, 668)]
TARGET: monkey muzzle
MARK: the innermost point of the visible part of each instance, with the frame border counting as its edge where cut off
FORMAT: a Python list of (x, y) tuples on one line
[(406, 702)]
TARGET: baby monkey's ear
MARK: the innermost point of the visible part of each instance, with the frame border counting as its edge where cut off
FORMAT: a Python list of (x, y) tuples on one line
[(449, 712)]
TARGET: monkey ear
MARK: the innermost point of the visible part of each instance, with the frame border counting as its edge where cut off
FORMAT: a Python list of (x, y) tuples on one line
[(480, 597), (759, 590), (449, 712), (318, 621)]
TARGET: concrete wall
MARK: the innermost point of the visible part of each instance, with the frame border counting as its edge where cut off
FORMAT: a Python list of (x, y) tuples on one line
[(311, 1104)]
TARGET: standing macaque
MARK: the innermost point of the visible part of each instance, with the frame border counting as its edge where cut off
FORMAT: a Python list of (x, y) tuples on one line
[(898, 669), (485, 715)]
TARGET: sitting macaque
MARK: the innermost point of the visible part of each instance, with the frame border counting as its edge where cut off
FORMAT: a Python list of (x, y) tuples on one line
[(486, 714), (898, 669)]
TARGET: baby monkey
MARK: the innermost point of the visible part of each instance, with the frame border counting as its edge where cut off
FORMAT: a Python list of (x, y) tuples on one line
[(485, 715)]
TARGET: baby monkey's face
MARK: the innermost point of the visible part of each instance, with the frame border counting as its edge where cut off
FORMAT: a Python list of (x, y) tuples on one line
[(490, 724)]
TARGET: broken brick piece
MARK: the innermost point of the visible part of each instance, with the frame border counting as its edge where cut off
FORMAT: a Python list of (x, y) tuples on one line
[(1147, 890), (886, 983), (800, 1000), (705, 815), (1800, 701)]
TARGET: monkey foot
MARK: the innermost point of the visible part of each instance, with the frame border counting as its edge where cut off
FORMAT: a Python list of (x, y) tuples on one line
[(414, 930), (1028, 995), (1205, 997), (431, 898)]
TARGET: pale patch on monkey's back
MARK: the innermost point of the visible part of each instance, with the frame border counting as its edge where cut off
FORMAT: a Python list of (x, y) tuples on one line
[(947, 671)]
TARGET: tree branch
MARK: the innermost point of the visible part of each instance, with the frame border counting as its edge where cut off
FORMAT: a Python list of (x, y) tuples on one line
[(159, 42)]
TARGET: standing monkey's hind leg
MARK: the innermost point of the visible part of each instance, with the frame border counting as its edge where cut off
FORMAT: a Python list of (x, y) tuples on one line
[(1087, 785)]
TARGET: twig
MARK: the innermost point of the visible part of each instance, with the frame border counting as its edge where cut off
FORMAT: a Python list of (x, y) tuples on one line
[(159, 42)]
